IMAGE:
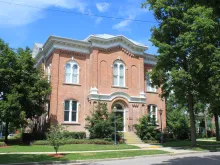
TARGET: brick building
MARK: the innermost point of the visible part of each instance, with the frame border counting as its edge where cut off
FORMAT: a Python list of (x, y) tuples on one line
[(106, 68)]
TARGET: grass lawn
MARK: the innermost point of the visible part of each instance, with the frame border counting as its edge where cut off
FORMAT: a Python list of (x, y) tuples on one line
[(201, 145), (70, 147), (211, 138), (82, 156), (188, 143)]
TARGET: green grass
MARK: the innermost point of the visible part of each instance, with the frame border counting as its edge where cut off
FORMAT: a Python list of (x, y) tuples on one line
[(211, 138), (201, 145), (70, 147), (15, 158), (188, 143)]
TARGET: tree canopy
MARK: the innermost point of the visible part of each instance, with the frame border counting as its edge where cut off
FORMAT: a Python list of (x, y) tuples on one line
[(187, 38), (23, 87)]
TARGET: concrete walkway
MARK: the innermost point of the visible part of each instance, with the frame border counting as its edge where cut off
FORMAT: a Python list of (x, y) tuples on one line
[(174, 150)]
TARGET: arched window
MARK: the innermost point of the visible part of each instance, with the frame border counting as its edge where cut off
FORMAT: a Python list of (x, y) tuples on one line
[(119, 73), (72, 72), (70, 111)]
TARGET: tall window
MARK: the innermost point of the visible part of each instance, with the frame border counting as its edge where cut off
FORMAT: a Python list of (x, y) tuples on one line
[(152, 111), (119, 73), (150, 88), (70, 111), (48, 73), (72, 73)]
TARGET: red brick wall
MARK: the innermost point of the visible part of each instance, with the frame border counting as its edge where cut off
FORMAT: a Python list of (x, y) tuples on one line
[(96, 71)]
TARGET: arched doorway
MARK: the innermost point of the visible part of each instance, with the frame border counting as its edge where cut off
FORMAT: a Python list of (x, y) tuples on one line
[(120, 115)]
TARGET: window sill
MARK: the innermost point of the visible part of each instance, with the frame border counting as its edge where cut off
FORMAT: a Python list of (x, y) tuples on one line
[(119, 87), (151, 92), (71, 84), (69, 123)]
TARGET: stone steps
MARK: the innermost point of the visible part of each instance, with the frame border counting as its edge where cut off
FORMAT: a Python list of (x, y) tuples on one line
[(132, 138)]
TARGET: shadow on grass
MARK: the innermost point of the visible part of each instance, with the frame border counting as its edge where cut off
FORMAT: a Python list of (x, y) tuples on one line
[(207, 160), (17, 158)]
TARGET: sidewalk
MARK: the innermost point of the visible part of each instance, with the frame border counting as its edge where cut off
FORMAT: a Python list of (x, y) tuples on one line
[(168, 149)]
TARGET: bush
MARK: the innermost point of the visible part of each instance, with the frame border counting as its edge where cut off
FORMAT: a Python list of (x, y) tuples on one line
[(55, 136), (29, 137), (76, 141), (100, 123), (2, 144), (146, 129), (74, 135), (151, 141), (210, 133)]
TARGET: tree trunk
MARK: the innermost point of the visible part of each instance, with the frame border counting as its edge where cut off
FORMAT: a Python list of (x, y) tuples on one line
[(206, 131), (6, 132), (216, 127), (192, 120)]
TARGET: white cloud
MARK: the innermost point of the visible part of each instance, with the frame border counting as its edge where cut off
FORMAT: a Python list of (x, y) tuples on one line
[(123, 23), (129, 12), (98, 20), (102, 7), (17, 15)]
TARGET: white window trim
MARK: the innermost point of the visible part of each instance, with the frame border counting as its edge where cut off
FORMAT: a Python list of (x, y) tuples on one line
[(70, 111), (72, 63), (151, 112), (49, 73), (148, 86), (118, 63)]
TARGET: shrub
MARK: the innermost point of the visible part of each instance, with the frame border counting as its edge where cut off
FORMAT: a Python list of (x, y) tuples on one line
[(74, 135), (101, 123), (151, 141), (177, 118), (2, 144), (76, 141), (55, 136), (41, 142), (29, 137), (146, 129)]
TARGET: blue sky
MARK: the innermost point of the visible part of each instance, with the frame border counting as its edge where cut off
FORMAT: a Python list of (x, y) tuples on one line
[(23, 26)]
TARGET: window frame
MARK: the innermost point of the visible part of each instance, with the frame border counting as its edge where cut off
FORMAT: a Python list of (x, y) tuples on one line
[(149, 88), (70, 111), (151, 113), (72, 64), (119, 63), (49, 73)]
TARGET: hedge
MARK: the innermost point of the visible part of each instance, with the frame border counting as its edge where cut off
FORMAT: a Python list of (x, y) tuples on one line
[(30, 137), (75, 135), (75, 141), (2, 144)]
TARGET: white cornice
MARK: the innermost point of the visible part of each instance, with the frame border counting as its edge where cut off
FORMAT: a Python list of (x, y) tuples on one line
[(85, 47), (110, 97), (114, 41), (150, 59), (55, 42)]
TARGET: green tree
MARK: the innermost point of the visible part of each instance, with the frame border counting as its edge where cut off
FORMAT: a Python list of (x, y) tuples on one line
[(56, 137), (179, 126), (23, 87), (101, 123), (186, 38)]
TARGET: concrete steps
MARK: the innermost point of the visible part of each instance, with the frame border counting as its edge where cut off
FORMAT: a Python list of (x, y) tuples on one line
[(132, 138)]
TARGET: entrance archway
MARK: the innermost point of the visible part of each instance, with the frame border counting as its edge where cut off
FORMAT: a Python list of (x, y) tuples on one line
[(120, 116)]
